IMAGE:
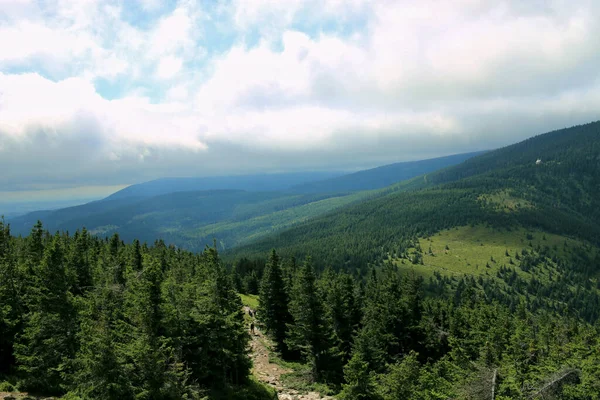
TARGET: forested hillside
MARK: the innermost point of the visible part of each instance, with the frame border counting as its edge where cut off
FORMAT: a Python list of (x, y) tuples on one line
[(479, 281), (395, 336), (191, 220), (258, 183), (191, 212), (383, 176), (99, 319), (505, 188)]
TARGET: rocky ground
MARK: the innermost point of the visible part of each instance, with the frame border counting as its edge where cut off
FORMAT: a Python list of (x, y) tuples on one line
[(21, 396), (271, 373)]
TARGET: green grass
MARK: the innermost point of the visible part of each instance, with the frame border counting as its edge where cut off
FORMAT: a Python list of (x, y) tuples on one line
[(481, 250), (250, 300), (300, 377), (504, 201), (252, 390)]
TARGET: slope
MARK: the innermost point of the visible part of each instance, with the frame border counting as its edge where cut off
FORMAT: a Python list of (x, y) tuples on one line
[(504, 188), (380, 177), (192, 218), (262, 182)]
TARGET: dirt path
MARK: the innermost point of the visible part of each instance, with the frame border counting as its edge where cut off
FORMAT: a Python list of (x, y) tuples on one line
[(271, 373), (21, 395)]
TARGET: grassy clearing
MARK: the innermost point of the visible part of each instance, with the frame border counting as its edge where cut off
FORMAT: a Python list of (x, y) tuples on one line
[(504, 201), (481, 250), (252, 390), (250, 300), (300, 377)]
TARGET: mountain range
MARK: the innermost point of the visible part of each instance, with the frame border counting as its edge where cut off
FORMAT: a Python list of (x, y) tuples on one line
[(192, 212), (550, 183)]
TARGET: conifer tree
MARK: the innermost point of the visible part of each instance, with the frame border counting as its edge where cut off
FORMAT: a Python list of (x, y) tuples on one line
[(309, 331), (360, 384), (146, 347), (288, 271), (11, 307), (114, 257), (79, 268), (48, 336), (220, 355), (101, 367), (137, 256), (273, 302), (341, 308), (36, 244), (402, 381)]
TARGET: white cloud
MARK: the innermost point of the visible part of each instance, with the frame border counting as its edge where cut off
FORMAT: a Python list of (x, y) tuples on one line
[(272, 15), (27, 39), (417, 79), (168, 67), (171, 34)]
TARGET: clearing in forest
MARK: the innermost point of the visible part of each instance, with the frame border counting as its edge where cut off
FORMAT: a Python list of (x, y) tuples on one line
[(483, 250)]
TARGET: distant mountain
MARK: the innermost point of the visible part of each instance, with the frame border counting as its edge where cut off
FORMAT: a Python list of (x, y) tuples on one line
[(550, 182), (256, 183), (16, 208), (383, 176), (191, 218)]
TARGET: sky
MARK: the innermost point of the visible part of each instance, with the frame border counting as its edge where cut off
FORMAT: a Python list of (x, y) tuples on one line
[(97, 94)]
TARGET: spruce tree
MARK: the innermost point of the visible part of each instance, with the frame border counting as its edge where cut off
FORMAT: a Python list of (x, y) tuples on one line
[(11, 307), (360, 382), (101, 366), (137, 256), (273, 303), (146, 346), (47, 341), (219, 354), (309, 331), (341, 308), (79, 267)]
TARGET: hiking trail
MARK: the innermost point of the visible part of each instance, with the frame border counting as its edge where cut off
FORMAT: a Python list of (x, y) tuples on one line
[(270, 373)]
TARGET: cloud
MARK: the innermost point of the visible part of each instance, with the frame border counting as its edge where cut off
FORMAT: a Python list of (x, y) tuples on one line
[(168, 67), (251, 86)]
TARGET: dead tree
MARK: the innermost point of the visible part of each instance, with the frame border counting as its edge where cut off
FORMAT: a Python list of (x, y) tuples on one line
[(552, 385)]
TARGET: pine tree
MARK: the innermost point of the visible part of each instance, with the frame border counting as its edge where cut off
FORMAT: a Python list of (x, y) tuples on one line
[(137, 256), (220, 355), (48, 336), (273, 303), (309, 332), (146, 346), (36, 244), (251, 283), (360, 383), (101, 367), (402, 381), (79, 268), (342, 310), (289, 271), (11, 307), (116, 263)]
